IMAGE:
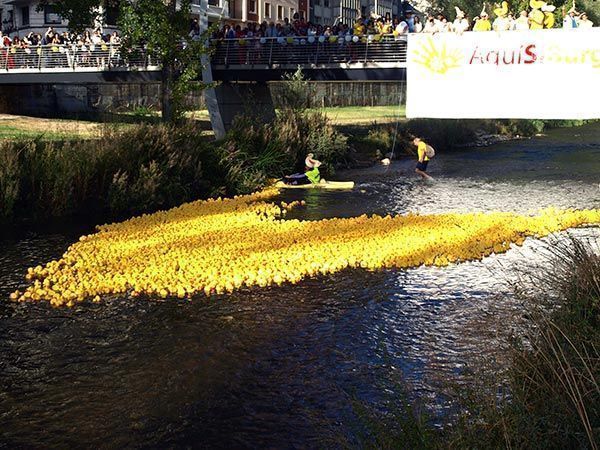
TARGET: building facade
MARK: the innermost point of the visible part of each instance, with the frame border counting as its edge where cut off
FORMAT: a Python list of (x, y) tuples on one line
[(19, 17), (22, 16), (259, 11)]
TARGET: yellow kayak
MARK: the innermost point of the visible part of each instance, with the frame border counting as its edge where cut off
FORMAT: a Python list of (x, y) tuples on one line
[(322, 185)]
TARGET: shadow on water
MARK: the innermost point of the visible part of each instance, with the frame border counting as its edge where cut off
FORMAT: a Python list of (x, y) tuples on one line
[(280, 367)]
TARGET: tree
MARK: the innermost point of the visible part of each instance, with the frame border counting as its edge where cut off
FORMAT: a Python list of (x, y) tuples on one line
[(162, 27)]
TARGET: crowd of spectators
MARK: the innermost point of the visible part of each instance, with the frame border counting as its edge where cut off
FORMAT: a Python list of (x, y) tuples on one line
[(298, 27), (396, 26), (508, 22), (84, 40), (90, 48)]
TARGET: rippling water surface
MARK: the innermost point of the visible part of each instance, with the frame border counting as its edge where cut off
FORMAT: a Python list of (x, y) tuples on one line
[(281, 367)]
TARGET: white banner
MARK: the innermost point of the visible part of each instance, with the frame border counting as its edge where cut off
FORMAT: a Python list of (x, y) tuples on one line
[(537, 74)]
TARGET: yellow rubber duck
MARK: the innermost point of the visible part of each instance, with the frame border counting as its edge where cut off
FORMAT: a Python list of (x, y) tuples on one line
[(219, 245), (501, 22), (541, 15)]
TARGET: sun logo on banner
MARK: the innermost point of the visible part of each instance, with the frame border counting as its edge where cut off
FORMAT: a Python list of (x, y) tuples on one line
[(437, 57)]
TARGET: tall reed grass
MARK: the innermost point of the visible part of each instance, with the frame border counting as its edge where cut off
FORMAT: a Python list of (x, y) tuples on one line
[(144, 168), (547, 396), (148, 167), (553, 396)]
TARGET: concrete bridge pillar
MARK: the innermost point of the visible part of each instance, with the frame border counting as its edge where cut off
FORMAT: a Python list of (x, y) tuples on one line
[(231, 99)]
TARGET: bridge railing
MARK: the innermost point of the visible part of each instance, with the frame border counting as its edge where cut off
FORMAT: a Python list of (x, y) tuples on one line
[(74, 57), (315, 50)]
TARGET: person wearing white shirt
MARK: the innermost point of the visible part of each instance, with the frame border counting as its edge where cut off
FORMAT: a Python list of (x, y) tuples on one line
[(522, 22), (401, 28), (430, 25), (570, 22), (460, 24), (418, 25), (584, 22), (501, 24), (441, 24)]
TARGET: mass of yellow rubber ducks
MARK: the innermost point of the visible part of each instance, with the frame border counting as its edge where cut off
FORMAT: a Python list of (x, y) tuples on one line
[(217, 246)]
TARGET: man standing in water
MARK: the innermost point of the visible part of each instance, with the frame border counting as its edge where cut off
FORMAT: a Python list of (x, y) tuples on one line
[(423, 158)]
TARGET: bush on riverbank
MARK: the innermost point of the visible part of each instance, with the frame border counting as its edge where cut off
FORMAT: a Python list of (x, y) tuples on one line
[(548, 396), (145, 168), (253, 152), (149, 167), (554, 377)]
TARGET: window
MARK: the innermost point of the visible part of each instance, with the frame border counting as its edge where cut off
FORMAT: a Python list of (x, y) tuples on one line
[(316, 2), (252, 6), (25, 15), (326, 3), (267, 9), (279, 12), (50, 15)]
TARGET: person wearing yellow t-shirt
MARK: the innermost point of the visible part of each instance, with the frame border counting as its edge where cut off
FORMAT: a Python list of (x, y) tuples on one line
[(483, 24), (423, 159)]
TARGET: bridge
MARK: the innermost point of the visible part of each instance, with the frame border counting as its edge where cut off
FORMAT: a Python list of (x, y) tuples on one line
[(245, 66), (333, 58), (76, 64), (260, 60)]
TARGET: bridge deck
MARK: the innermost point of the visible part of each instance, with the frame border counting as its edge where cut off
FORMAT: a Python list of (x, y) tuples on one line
[(334, 58), (261, 59)]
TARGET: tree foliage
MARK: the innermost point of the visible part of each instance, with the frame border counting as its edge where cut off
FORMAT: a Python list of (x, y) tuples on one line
[(162, 28), (80, 14)]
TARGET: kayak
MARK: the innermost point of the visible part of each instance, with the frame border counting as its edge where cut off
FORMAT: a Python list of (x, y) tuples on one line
[(322, 185)]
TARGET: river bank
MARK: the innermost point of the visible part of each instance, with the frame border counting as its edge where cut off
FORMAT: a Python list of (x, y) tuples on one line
[(113, 171)]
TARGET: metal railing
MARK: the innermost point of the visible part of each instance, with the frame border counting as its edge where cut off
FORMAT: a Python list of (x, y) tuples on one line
[(74, 57), (241, 53), (314, 50)]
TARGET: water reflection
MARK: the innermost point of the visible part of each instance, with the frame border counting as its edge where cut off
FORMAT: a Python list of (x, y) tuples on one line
[(279, 367)]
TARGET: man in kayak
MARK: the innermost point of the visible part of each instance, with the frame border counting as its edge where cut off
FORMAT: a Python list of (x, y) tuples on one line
[(311, 173), (423, 158)]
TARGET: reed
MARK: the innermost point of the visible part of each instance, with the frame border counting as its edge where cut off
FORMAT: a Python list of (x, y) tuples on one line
[(144, 168), (548, 394), (553, 379)]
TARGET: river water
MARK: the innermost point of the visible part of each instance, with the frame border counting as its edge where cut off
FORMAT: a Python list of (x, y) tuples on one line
[(284, 367)]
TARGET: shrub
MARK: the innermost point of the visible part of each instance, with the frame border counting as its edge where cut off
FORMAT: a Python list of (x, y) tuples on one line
[(9, 180), (554, 371), (253, 152), (142, 169)]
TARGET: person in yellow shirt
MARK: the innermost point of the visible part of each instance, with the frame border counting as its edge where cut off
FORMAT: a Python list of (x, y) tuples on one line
[(483, 24), (359, 27), (423, 159)]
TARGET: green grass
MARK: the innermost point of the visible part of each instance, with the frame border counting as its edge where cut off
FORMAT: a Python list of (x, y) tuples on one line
[(15, 133), (364, 114), (14, 127), (346, 115)]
